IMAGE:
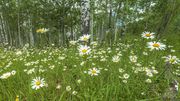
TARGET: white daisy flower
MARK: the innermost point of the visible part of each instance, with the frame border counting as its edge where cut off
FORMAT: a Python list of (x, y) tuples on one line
[(84, 38), (126, 76), (93, 72), (115, 59), (172, 59), (13, 72), (42, 30), (124, 81), (74, 92), (155, 71), (148, 35), (156, 46), (133, 58), (37, 83), (31, 71), (84, 50), (149, 73), (73, 42), (148, 80), (121, 70), (68, 88), (5, 75)]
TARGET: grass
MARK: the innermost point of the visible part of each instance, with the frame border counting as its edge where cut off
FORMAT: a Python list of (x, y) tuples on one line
[(64, 67)]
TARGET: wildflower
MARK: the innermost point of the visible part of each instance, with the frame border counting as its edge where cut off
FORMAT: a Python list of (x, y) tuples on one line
[(94, 43), (124, 81), (133, 58), (73, 42), (58, 86), (51, 67), (18, 53), (82, 63), (119, 54), (61, 57), (37, 83), (156, 46), (148, 35), (155, 71), (41, 70), (64, 69), (172, 59), (84, 50), (17, 98), (115, 59), (68, 88), (30, 71), (13, 72), (85, 38), (176, 85), (172, 50), (142, 93), (170, 46), (52, 44), (93, 72), (145, 53), (138, 64), (103, 59), (74, 92), (5, 75), (121, 70), (93, 64), (42, 30), (149, 73), (79, 81), (148, 80), (126, 76)]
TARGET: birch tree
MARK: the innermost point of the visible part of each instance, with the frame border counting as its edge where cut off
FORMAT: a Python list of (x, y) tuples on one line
[(85, 16)]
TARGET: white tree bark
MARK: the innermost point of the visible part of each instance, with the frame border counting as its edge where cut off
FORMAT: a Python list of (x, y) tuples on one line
[(85, 16)]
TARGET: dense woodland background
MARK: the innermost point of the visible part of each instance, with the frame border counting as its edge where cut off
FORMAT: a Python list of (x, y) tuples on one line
[(106, 20)]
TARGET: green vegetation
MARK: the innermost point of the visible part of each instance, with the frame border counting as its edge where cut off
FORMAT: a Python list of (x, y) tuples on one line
[(122, 78), (107, 20), (89, 50)]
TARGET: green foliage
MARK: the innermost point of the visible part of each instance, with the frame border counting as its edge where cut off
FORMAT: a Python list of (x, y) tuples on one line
[(62, 66), (20, 18)]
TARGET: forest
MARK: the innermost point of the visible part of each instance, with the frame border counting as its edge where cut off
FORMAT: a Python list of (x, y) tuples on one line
[(106, 21), (89, 50)]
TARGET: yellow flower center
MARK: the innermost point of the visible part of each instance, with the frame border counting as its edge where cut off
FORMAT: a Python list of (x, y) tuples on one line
[(17, 98), (84, 50), (172, 60), (40, 31), (85, 39), (93, 71), (38, 83), (156, 45), (148, 35)]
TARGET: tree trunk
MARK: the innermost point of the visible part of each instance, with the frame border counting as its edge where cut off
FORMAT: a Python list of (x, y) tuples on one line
[(85, 16), (19, 28)]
